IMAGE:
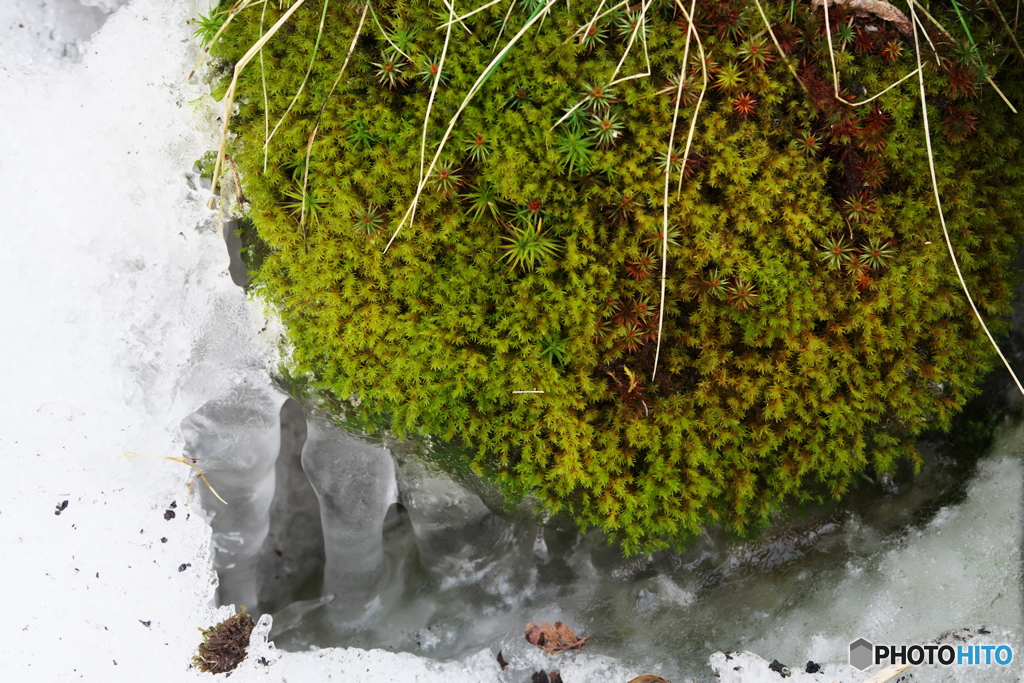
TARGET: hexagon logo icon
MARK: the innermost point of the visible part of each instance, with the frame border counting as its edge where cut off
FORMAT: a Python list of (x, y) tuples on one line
[(860, 654)]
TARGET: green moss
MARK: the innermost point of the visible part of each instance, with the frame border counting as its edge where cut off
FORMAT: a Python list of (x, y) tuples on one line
[(788, 369), (224, 645)]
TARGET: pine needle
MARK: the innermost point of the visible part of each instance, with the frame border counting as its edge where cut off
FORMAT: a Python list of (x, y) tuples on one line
[(938, 203)]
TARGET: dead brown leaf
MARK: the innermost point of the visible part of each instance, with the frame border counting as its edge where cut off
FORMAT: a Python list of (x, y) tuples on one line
[(648, 678), (554, 639), (879, 8)]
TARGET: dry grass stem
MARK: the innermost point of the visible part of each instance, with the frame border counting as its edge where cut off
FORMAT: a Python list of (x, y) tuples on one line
[(302, 86), (316, 126), (586, 28), (785, 58), (597, 17), (229, 97), (451, 10), (386, 36), (641, 27), (831, 52), (430, 102), (918, 8), (241, 5), (1006, 26), (504, 22), (690, 33), (467, 15), (938, 204), (465, 102), (185, 461), (266, 105), (875, 97)]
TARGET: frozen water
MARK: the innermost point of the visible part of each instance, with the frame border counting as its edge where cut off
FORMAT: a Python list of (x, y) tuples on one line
[(355, 484), (235, 439), (456, 533), (802, 593)]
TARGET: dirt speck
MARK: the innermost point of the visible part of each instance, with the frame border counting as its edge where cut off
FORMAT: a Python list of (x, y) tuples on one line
[(61, 507), (169, 515)]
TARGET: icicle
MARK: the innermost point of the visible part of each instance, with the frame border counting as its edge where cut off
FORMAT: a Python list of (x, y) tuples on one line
[(355, 483), (235, 440)]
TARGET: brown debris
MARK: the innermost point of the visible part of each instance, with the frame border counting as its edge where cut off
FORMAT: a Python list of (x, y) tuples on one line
[(879, 8), (648, 678), (224, 645), (554, 639)]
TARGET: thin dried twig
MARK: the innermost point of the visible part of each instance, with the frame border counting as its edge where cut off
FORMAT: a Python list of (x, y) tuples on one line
[(938, 203)]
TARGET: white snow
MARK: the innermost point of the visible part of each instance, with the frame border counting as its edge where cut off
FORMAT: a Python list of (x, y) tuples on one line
[(120, 319)]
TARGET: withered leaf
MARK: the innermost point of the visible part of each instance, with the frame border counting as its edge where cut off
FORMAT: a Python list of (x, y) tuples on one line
[(554, 639)]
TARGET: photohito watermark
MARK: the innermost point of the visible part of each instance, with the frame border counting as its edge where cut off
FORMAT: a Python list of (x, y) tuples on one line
[(864, 654)]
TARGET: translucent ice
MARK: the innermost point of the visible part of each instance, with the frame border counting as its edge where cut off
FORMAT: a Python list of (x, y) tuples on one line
[(235, 439), (355, 483), (456, 534)]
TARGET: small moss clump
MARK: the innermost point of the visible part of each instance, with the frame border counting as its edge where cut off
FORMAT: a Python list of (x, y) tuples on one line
[(813, 324), (224, 645)]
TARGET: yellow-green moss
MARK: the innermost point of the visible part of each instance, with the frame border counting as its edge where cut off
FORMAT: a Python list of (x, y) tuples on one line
[(793, 359)]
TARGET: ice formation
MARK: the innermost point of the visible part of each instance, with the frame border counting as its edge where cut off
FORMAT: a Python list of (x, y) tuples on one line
[(236, 438), (355, 484)]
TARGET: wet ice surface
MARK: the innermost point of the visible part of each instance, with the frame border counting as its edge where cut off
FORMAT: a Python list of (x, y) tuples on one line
[(906, 563)]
